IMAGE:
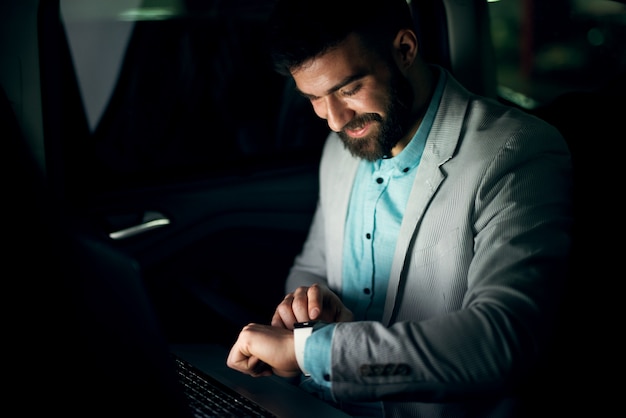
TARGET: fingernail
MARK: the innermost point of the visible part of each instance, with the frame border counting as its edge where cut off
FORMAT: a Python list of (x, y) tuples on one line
[(314, 313)]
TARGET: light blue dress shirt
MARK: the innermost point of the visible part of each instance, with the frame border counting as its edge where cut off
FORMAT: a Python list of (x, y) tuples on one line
[(377, 204), (379, 195)]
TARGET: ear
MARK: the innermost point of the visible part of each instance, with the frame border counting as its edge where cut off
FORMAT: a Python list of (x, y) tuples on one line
[(405, 48)]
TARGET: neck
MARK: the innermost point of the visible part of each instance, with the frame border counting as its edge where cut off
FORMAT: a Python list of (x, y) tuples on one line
[(423, 81)]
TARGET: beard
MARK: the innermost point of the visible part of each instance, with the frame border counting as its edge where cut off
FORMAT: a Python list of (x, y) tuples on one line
[(387, 131)]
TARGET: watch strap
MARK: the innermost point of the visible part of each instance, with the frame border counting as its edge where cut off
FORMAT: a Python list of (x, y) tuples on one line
[(301, 332)]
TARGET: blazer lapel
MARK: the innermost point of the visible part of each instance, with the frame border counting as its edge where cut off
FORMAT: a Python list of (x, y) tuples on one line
[(440, 145)]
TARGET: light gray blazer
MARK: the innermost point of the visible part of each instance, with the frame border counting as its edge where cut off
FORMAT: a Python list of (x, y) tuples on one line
[(478, 267)]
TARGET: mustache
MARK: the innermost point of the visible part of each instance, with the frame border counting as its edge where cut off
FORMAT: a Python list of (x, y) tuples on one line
[(360, 121)]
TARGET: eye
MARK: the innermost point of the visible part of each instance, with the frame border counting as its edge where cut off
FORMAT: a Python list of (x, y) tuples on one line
[(351, 92)]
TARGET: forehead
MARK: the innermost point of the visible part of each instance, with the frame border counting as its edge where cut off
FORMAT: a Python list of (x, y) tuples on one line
[(319, 74)]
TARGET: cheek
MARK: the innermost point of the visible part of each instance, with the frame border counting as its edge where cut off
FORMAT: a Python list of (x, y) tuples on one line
[(367, 105), (371, 100)]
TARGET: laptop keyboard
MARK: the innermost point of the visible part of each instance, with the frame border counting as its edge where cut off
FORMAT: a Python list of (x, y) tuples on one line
[(209, 398)]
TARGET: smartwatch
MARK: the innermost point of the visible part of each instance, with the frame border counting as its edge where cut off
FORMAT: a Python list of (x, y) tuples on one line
[(301, 332)]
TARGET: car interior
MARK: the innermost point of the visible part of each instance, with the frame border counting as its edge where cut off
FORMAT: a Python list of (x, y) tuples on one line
[(158, 129)]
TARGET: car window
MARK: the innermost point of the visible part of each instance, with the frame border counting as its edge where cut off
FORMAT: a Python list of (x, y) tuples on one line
[(544, 49), (181, 90)]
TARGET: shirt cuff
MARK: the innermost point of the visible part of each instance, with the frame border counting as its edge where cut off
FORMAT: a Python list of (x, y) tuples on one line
[(300, 335)]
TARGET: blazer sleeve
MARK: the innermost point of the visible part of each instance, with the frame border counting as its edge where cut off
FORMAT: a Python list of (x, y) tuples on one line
[(310, 264), (320, 260)]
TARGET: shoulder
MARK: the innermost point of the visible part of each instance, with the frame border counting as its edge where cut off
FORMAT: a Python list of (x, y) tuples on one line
[(487, 120)]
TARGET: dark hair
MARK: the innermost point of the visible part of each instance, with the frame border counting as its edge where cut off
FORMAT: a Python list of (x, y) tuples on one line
[(303, 29)]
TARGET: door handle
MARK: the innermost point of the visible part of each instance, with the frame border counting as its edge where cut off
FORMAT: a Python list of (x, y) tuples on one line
[(150, 221)]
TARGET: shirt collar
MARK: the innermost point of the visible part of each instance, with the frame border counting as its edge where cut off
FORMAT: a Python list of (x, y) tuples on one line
[(410, 156)]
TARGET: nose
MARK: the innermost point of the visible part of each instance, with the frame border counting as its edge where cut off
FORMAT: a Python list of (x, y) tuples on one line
[(336, 112)]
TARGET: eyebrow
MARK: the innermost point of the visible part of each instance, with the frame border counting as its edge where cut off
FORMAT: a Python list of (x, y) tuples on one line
[(342, 83)]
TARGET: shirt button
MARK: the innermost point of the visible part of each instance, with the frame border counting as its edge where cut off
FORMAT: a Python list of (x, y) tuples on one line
[(366, 291), (406, 170), (327, 377), (368, 235), (379, 180)]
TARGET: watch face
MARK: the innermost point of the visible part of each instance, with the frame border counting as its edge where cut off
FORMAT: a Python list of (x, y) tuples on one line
[(307, 324)]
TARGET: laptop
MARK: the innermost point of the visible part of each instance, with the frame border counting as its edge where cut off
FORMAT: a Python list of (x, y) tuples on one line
[(137, 372)]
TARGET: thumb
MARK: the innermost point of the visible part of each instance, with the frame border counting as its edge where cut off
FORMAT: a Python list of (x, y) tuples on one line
[(344, 315)]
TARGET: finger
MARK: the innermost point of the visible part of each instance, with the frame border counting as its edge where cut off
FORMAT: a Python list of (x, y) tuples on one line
[(300, 304), (345, 315), (238, 358), (241, 358), (316, 301), (277, 320), (283, 315), (258, 367)]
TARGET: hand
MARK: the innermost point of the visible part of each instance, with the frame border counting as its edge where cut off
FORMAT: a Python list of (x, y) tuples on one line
[(316, 302), (261, 350)]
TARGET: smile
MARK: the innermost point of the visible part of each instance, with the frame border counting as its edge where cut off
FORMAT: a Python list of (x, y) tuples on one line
[(360, 132)]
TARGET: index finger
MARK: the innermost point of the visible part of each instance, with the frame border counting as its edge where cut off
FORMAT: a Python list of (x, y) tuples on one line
[(300, 305), (283, 315), (316, 300)]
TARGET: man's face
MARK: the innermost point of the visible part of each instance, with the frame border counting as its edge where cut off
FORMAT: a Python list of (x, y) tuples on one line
[(365, 99)]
